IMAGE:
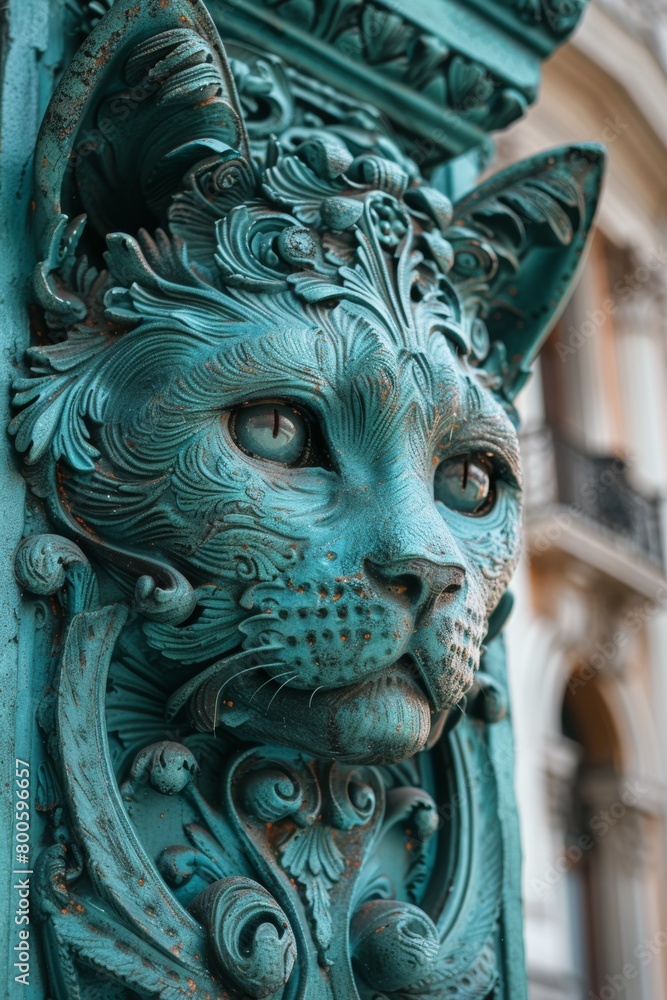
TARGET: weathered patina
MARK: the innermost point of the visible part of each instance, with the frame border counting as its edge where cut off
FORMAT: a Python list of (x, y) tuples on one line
[(269, 429)]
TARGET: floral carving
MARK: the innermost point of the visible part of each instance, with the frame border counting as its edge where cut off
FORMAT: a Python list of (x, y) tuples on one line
[(401, 51), (560, 16)]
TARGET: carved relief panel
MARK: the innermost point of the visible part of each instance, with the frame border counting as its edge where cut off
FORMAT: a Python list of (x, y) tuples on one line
[(268, 429)]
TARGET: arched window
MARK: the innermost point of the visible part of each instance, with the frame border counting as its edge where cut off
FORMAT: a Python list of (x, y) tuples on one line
[(607, 853)]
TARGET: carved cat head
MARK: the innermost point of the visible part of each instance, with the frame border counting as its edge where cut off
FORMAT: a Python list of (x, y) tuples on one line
[(281, 421)]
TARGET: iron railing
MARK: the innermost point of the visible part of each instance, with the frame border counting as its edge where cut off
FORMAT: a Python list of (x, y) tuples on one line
[(594, 488)]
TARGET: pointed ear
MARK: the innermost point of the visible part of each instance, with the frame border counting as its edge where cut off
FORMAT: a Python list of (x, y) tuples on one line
[(147, 96), (518, 243)]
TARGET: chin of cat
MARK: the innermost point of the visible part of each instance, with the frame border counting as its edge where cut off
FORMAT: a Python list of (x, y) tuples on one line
[(384, 719)]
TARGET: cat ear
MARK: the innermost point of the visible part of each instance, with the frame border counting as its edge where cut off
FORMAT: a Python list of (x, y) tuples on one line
[(518, 242), (148, 95)]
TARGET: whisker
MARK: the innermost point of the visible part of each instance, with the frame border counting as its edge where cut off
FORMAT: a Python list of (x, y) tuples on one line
[(178, 699), (310, 701), (257, 666), (284, 684), (277, 677)]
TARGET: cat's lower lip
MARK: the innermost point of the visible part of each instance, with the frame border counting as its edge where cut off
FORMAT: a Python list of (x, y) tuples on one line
[(382, 720)]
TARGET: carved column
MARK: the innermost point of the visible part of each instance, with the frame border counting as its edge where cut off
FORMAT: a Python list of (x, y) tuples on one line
[(268, 427)]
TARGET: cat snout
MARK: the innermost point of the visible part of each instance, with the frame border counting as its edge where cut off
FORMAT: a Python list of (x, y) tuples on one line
[(417, 580)]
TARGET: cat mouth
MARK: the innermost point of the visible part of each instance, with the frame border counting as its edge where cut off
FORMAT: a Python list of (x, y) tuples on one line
[(385, 718)]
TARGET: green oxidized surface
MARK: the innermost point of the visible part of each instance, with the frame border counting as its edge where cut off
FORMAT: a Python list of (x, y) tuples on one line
[(270, 419)]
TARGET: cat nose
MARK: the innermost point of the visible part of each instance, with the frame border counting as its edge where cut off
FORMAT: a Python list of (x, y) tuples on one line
[(417, 579)]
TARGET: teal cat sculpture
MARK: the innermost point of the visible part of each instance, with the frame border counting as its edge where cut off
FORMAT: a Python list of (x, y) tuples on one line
[(269, 422)]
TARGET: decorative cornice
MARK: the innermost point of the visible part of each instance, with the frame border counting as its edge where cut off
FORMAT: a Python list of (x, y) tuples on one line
[(447, 72)]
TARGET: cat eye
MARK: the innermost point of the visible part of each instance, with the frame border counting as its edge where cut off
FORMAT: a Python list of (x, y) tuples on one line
[(466, 483), (275, 432)]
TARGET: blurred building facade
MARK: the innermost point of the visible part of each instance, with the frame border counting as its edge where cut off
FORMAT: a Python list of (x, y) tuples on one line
[(588, 638)]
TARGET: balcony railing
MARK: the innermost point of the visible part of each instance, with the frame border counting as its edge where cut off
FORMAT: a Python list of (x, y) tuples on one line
[(594, 488)]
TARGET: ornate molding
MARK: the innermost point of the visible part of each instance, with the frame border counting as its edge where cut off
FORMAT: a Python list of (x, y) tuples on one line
[(445, 73)]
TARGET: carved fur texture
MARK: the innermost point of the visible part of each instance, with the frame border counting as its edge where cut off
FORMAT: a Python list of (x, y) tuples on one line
[(333, 284)]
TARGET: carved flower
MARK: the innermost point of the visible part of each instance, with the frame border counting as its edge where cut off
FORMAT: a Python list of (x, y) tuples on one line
[(388, 218), (560, 15), (470, 87)]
